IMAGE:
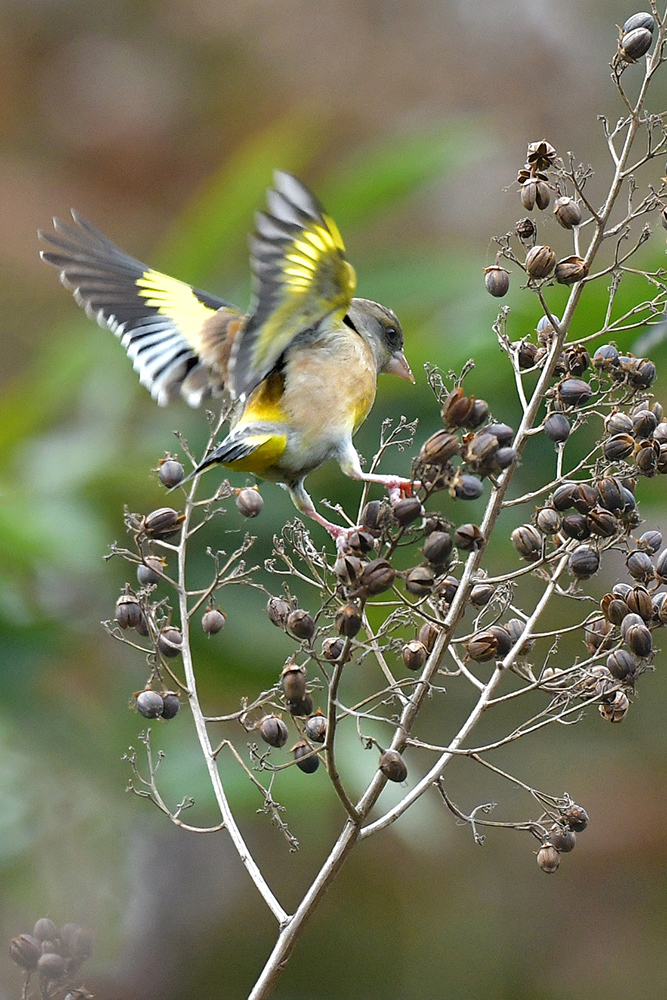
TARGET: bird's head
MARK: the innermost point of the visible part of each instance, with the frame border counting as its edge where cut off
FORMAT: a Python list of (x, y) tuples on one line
[(381, 329)]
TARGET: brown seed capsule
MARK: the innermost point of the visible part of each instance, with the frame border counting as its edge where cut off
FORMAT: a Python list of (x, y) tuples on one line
[(640, 20), (332, 648), (617, 709), (419, 580), (525, 229), (574, 392), (575, 817), (535, 192), (482, 647), (584, 562), (528, 542), (598, 635), (557, 427), (378, 576), (644, 423), (635, 44), (569, 270), (300, 624), (438, 547), (301, 707), (502, 637), (249, 502), (643, 374), (660, 609), (149, 704), (650, 542), (393, 766), (273, 731), (540, 261), (606, 358), (548, 858), (467, 487), (541, 155), (618, 423), (428, 633), (567, 212), (51, 967), (414, 654), (548, 520), (646, 459), (602, 522), (468, 537), (348, 620), (619, 447), (408, 510), (638, 638), (515, 628), (610, 494), (447, 590), (457, 408), (562, 838), (170, 641), (639, 566), (128, 611), (481, 594), (614, 609), (171, 706), (526, 353), (348, 569), (361, 542), (162, 523), (622, 665), (213, 621), (293, 681), (564, 496), (371, 515), (576, 525), (149, 572), (170, 472), (497, 280), (45, 929), (278, 611), (661, 567), (26, 951), (306, 760), (316, 728), (439, 448)]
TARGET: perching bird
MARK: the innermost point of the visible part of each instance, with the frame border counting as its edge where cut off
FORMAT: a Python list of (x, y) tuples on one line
[(301, 365)]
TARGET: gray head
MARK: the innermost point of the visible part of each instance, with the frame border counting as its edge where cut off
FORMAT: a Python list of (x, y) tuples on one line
[(382, 331)]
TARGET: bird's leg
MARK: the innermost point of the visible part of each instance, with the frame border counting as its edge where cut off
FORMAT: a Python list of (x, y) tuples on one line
[(396, 486), (305, 505)]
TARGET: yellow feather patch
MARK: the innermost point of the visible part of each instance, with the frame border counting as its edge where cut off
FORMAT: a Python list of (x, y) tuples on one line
[(269, 448), (176, 300), (265, 402)]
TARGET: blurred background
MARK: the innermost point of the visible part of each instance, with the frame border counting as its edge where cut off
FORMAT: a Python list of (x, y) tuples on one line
[(161, 121)]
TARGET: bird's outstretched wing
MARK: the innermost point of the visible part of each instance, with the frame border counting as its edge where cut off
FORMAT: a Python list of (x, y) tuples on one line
[(300, 277), (174, 334)]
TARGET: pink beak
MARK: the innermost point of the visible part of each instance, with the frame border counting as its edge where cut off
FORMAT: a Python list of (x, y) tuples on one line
[(398, 365)]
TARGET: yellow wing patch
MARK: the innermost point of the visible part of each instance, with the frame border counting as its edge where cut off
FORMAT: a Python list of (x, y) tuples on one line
[(176, 300), (268, 449)]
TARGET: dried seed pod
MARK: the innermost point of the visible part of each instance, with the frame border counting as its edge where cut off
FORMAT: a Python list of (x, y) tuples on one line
[(273, 731), (293, 681), (480, 449), (598, 635), (548, 858), (414, 654), (644, 423), (128, 611), (497, 280), (170, 472), (300, 624), (438, 547), (660, 433), (447, 591), (439, 448), (567, 212), (660, 609), (606, 358), (610, 494), (170, 641), (457, 408), (428, 633), (622, 665), (515, 628), (541, 155), (638, 638), (316, 728), (564, 496), (577, 359), (629, 621), (171, 706), (149, 704), (616, 709), (468, 537), (162, 523), (635, 44), (574, 392), (348, 620), (278, 611), (619, 447), (584, 562), (479, 413), (502, 637), (621, 590), (26, 951), (503, 458), (614, 609), (639, 566), (371, 516), (408, 510), (528, 542), (249, 501), (301, 707), (618, 423), (525, 229), (362, 542), (332, 648), (503, 433), (562, 838), (481, 594), (148, 572), (393, 766), (306, 760), (467, 487), (660, 570), (585, 497), (483, 646), (51, 967), (419, 580), (650, 542), (526, 353), (540, 261), (646, 460), (348, 569), (575, 817), (571, 269), (640, 20), (535, 192), (213, 621), (557, 427), (643, 374), (576, 525), (548, 520), (602, 522)]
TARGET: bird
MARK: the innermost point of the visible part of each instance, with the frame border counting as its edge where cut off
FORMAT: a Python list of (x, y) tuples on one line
[(300, 367)]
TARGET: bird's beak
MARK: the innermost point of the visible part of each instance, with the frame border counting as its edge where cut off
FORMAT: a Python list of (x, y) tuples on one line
[(398, 365)]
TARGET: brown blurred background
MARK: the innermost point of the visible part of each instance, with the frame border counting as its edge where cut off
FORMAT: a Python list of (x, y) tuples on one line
[(161, 122)]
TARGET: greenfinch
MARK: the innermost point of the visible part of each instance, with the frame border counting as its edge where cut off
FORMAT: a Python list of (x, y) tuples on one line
[(300, 366)]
